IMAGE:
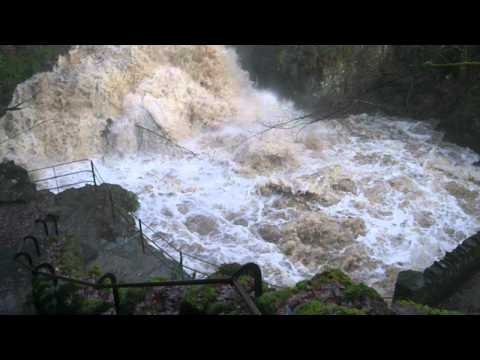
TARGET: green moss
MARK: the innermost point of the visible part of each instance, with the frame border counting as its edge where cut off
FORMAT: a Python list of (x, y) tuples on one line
[(270, 302), (158, 279), (198, 299), (331, 276), (426, 310), (303, 285), (95, 272), (220, 308), (70, 261), (43, 296), (125, 199), (318, 308), (359, 292), (227, 270), (95, 307)]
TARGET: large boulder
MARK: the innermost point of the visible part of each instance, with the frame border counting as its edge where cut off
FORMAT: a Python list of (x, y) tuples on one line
[(329, 293)]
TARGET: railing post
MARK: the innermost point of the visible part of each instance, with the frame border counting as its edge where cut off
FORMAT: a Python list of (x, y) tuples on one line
[(51, 270), (111, 205), (35, 242), (142, 241), (181, 265), (93, 174), (254, 271), (53, 218), (45, 226), (56, 179), (116, 295)]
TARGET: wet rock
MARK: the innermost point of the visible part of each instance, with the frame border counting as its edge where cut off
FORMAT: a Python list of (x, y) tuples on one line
[(166, 212), (460, 192), (377, 193), (201, 225), (424, 219), (267, 156), (15, 184), (359, 205), (183, 208), (319, 230), (364, 159), (345, 185), (466, 199), (402, 184), (269, 233), (241, 222)]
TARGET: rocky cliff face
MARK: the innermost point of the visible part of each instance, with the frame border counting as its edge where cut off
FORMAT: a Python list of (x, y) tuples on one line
[(20, 62), (390, 79)]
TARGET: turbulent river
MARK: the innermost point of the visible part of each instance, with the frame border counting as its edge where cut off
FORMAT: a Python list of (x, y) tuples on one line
[(367, 194)]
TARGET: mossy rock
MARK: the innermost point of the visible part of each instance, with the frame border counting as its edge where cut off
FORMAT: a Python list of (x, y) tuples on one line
[(361, 292), (122, 198), (226, 271), (199, 300), (269, 303), (318, 308), (329, 277), (426, 310)]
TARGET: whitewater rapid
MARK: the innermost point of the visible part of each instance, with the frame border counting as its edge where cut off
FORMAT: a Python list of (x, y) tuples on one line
[(368, 194)]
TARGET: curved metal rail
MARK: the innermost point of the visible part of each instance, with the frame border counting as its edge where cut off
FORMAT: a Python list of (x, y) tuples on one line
[(249, 269)]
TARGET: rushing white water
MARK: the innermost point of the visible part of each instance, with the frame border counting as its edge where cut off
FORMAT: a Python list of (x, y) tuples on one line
[(370, 195)]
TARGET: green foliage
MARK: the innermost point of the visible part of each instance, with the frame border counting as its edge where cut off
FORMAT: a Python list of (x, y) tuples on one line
[(303, 285), (426, 310), (67, 300), (95, 272), (199, 300), (130, 298), (317, 308), (70, 261), (23, 64), (220, 308), (271, 302)]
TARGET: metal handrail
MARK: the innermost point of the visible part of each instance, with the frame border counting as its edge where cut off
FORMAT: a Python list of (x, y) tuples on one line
[(59, 165), (96, 175), (61, 176), (251, 269)]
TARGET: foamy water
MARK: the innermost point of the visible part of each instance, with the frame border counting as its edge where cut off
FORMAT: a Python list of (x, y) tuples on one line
[(370, 195)]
